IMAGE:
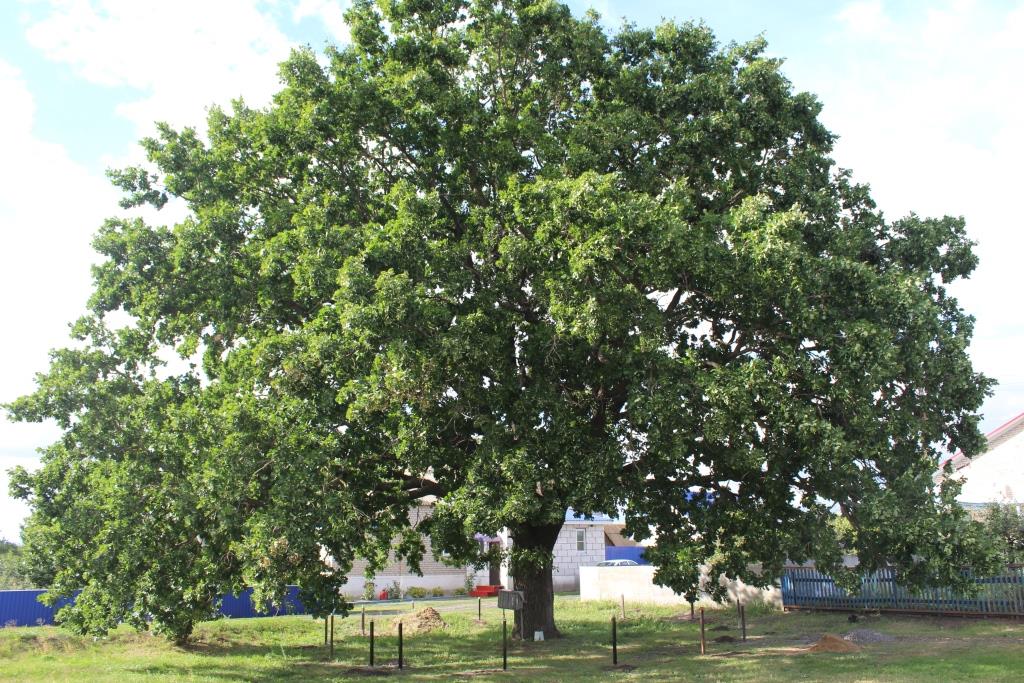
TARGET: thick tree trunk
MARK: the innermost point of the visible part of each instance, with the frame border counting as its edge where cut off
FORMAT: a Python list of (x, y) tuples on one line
[(532, 576)]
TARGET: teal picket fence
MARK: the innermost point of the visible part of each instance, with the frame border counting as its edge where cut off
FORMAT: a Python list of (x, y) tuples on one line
[(1000, 595)]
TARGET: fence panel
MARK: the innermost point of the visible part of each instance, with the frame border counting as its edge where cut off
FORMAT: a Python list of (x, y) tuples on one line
[(807, 588), (635, 553), (22, 607)]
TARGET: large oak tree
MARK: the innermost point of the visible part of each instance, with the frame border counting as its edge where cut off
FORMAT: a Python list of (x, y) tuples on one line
[(491, 254)]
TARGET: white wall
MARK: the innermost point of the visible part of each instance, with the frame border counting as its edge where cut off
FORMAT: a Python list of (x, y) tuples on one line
[(568, 559), (997, 476), (636, 584), (353, 589)]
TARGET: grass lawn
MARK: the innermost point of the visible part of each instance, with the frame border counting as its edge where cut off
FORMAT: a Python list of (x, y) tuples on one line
[(659, 641)]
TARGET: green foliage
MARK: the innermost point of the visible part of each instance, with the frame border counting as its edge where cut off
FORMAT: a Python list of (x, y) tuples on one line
[(417, 592), (437, 592), (492, 254), (13, 571), (369, 590), (1005, 523)]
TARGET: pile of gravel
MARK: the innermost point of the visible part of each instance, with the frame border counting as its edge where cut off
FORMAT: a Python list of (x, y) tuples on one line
[(866, 635)]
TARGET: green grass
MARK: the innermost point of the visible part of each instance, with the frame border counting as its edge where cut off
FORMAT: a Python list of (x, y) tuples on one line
[(661, 645)]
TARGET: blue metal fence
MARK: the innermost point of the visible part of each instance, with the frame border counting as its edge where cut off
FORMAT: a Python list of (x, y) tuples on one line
[(1001, 595), (616, 552), (22, 607)]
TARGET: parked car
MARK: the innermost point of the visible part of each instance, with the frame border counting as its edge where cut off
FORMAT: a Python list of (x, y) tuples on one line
[(618, 563)]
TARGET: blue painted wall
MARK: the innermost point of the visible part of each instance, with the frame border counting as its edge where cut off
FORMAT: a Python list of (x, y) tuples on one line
[(21, 608), (616, 552)]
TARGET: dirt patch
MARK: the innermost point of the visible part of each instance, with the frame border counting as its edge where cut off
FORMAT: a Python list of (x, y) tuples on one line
[(424, 621), (866, 635), (368, 671), (724, 639), (831, 643)]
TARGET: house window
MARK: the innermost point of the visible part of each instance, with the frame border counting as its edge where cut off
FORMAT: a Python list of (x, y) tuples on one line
[(581, 539)]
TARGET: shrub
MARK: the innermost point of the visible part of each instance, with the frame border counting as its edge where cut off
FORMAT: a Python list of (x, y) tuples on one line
[(437, 591), (417, 592), (460, 591), (394, 591), (369, 591)]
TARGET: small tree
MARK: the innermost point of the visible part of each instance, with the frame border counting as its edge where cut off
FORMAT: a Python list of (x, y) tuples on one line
[(1005, 523), (493, 255)]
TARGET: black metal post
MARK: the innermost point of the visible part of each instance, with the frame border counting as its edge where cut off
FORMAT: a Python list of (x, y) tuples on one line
[(325, 630), (332, 636), (743, 621), (371, 642), (504, 644), (362, 623), (703, 646), (479, 611), (737, 608), (615, 644), (400, 645)]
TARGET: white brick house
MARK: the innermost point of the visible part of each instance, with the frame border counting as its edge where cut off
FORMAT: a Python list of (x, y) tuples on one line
[(580, 543), (997, 475)]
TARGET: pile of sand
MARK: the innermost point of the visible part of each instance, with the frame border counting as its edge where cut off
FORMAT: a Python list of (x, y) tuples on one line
[(424, 621), (831, 643)]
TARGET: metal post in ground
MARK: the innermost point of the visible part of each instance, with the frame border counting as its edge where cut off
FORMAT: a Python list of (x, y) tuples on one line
[(400, 665), (371, 642), (703, 646), (332, 636), (325, 631), (479, 613), (362, 623), (504, 644), (623, 596), (615, 645), (743, 621)]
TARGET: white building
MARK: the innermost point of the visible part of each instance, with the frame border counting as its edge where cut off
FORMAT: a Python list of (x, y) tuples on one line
[(581, 542), (997, 475)]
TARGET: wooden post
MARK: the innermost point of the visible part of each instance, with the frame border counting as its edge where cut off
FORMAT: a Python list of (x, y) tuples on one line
[(703, 645), (737, 608), (623, 596), (362, 622), (504, 644), (332, 636), (371, 642), (400, 645), (615, 644), (743, 621), (325, 630), (478, 610)]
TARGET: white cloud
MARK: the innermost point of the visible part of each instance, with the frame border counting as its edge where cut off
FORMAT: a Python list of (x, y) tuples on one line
[(49, 208), (866, 18), (182, 56), (931, 121), (330, 12)]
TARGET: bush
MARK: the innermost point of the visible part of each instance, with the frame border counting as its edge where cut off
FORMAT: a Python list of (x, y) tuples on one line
[(459, 591), (437, 591), (417, 592), (1005, 524), (394, 591), (369, 591)]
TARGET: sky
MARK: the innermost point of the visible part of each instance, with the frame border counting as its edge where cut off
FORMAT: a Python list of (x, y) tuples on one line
[(925, 97)]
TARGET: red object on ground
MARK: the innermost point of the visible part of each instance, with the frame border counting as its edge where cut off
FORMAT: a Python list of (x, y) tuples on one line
[(485, 591), (383, 595)]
